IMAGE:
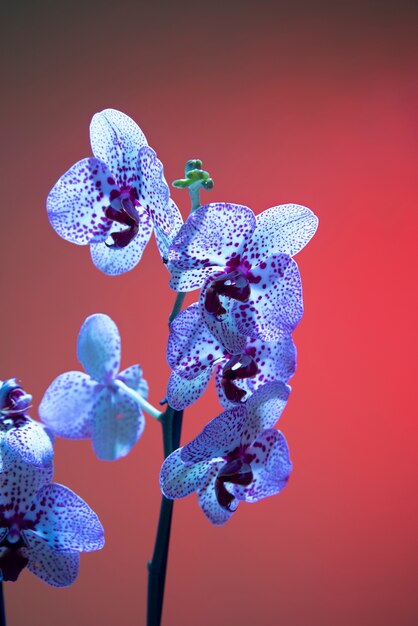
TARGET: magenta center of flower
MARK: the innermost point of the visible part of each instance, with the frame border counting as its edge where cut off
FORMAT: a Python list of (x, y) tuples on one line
[(12, 561), (14, 401), (239, 367), (237, 472), (125, 201), (233, 283)]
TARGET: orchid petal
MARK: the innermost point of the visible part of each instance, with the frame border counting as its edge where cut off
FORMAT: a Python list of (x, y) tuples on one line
[(264, 408), (188, 280), (65, 521), (132, 377), (177, 479), (167, 224), (117, 424), (154, 194), (282, 229), (54, 568), (66, 407), (116, 261), (182, 392), (98, 347), (191, 347), (208, 501), (19, 485), (275, 306), (271, 467), (31, 443), (116, 139), (224, 329), (212, 235), (219, 437), (77, 202)]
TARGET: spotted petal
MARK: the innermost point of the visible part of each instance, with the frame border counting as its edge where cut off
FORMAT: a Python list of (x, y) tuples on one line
[(177, 479), (31, 443), (219, 437), (54, 568), (282, 229), (65, 521), (275, 306), (98, 347), (66, 407), (212, 235), (182, 392), (264, 408), (167, 224), (271, 467), (117, 424), (116, 139), (208, 502), (19, 485), (132, 377), (191, 347), (77, 202), (154, 194), (189, 280), (116, 261)]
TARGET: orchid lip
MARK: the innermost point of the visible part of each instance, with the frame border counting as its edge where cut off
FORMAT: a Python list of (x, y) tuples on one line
[(127, 215)]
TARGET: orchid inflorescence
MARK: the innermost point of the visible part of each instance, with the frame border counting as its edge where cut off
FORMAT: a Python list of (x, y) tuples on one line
[(239, 329)]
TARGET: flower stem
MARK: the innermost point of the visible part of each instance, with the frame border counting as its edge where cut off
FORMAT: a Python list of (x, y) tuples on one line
[(144, 404), (171, 421), (2, 608)]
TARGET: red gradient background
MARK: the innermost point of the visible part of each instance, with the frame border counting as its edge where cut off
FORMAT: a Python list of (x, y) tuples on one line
[(309, 102)]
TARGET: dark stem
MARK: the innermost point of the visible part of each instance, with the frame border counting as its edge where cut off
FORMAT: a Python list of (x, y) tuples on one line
[(157, 567), (2, 609)]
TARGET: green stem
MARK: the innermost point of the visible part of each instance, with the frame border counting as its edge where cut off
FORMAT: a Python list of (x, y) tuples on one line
[(171, 421), (144, 404)]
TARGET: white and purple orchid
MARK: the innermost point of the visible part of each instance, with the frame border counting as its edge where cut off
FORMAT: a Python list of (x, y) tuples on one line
[(102, 404), (43, 526), (241, 364), (19, 433), (232, 254), (114, 200), (239, 456)]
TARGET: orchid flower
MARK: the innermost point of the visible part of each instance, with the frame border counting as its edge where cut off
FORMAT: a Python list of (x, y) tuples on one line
[(230, 253), (242, 364), (43, 526), (101, 404), (113, 200), (18, 432), (238, 456)]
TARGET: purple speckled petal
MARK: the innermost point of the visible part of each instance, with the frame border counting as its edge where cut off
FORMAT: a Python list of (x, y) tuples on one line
[(31, 443), (219, 437), (116, 139), (182, 392), (77, 202), (98, 347), (132, 377), (208, 502), (19, 485), (191, 347), (167, 224), (275, 306), (118, 422), (189, 280), (65, 521), (177, 479), (212, 235), (116, 261), (224, 329), (276, 361), (271, 467), (264, 408), (282, 229), (154, 194), (67, 404), (54, 568)]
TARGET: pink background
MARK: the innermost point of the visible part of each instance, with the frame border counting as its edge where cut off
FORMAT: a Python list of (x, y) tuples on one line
[(285, 102)]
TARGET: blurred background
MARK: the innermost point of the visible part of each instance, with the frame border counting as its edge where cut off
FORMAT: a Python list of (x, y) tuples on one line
[(285, 101)]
